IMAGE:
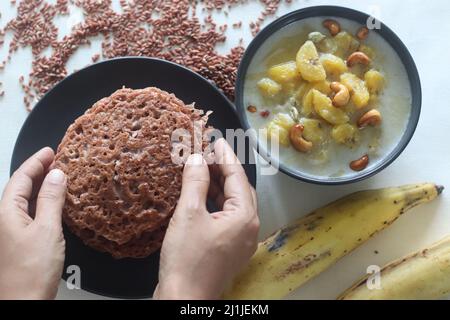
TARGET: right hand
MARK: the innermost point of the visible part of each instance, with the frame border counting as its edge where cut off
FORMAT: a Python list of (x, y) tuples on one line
[(202, 252)]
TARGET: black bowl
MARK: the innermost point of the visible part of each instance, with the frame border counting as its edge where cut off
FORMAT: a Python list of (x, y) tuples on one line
[(357, 16), (50, 118)]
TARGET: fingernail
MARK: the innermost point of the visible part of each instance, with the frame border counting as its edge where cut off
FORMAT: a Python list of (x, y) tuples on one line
[(56, 176), (195, 159)]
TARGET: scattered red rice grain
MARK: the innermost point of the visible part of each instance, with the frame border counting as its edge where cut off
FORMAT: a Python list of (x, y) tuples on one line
[(264, 113), (95, 57), (270, 7), (237, 25), (166, 29), (2, 93)]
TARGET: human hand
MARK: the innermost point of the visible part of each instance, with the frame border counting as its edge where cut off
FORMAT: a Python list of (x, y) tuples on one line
[(32, 250), (202, 252)]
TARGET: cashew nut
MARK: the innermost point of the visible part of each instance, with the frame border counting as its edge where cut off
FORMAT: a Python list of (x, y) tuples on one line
[(341, 96), (358, 57), (360, 164), (372, 118), (362, 33), (251, 108), (297, 140), (333, 26)]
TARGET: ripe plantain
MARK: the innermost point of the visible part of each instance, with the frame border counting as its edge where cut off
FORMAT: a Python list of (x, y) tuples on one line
[(305, 248), (422, 275), (308, 63)]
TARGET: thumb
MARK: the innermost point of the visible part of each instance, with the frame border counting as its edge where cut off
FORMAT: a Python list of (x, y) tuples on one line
[(51, 198), (195, 184)]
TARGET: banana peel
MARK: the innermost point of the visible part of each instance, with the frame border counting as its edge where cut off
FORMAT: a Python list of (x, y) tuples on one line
[(302, 250), (424, 274)]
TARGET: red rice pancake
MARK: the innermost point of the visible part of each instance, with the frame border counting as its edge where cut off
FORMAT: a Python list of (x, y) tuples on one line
[(122, 184)]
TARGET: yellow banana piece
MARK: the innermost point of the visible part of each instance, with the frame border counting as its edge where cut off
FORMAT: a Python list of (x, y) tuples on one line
[(305, 248), (422, 275)]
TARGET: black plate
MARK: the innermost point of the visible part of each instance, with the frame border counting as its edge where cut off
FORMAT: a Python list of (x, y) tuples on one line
[(341, 12), (50, 118)]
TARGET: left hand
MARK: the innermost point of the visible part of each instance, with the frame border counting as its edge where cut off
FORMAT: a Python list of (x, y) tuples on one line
[(31, 240)]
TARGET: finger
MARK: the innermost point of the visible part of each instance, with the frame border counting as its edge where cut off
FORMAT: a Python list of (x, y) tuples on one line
[(51, 198), (25, 182), (236, 188), (36, 188), (255, 199), (195, 183)]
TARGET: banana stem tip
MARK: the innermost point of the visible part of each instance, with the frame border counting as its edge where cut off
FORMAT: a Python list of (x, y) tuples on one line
[(439, 189)]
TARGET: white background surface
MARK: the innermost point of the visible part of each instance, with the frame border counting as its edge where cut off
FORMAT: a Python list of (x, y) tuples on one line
[(423, 26)]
